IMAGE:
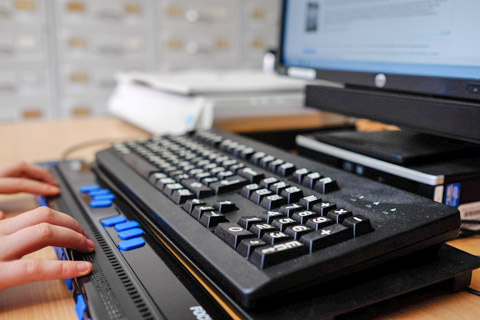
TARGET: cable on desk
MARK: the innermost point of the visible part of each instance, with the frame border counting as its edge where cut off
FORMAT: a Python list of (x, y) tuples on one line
[(473, 291), (91, 143)]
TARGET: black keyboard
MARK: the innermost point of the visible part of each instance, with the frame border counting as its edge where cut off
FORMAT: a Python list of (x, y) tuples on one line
[(261, 223)]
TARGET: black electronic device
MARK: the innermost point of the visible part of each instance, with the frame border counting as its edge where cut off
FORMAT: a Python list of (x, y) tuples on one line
[(406, 62), (217, 225)]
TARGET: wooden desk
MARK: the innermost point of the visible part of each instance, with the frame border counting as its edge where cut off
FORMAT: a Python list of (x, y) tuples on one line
[(42, 141)]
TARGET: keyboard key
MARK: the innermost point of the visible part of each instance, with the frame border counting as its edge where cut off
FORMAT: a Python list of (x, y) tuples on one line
[(246, 246), (142, 166), (246, 153), (274, 237), (275, 164), (338, 215), (211, 218), (323, 207), (252, 175), (283, 223), (309, 201), (296, 232), (303, 216), (249, 189), (225, 206), (290, 209), (197, 188), (191, 204), (265, 161), (272, 202), (163, 182), (236, 167), (228, 184), (257, 156), (131, 244), (131, 233), (265, 257), (126, 225), (170, 188), (359, 225), (225, 174), (310, 179), (326, 185), (267, 182), (259, 194), (272, 215), (181, 196), (278, 187), (286, 169), (299, 174), (259, 229), (232, 233), (110, 222), (208, 181), (318, 223), (292, 194), (247, 222), (326, 237), (199, 210), (217, 170)]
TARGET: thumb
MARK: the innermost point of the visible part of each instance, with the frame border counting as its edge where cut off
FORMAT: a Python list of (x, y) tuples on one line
[(2, 215)]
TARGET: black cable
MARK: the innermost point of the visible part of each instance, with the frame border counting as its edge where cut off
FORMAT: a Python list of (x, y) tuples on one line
[(90, 143), (473, 291)]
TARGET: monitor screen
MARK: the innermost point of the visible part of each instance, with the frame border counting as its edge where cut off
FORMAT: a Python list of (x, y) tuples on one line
[(403, 45)]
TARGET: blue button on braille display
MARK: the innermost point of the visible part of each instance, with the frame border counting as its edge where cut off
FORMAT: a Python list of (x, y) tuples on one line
[(131, 244), (89, 188), (80, 307), (130, 233), (109, 222), (126, 225), (109, 196), (100, 203), (99, 192), (69, 282)]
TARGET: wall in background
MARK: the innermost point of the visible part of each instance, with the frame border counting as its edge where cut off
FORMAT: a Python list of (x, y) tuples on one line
[(58, 58)]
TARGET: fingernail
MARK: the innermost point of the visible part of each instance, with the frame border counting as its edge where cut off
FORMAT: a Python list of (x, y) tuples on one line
[(53, 189), (83, 266), (90, 244)]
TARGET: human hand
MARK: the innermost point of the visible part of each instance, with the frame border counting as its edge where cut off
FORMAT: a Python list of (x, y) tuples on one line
[(32, 231), (23, 177)]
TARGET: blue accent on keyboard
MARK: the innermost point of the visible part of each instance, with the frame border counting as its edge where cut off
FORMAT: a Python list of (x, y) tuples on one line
[(80, 307), (41, 201), (109, 196), (100, 203), (131, 233), (126, 225), (100, 192), (131, 244), (89, 188), (109, 222)]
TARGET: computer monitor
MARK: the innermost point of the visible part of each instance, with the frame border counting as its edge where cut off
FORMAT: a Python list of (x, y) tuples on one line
[(414, 63)]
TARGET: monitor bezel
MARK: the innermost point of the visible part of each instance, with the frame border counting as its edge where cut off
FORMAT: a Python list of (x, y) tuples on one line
[(455, 88)]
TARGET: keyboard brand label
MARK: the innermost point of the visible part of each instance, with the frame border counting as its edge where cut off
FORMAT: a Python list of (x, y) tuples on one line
[(200, 313)]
